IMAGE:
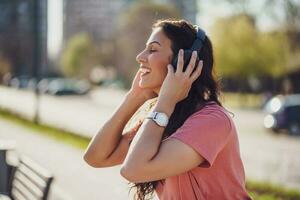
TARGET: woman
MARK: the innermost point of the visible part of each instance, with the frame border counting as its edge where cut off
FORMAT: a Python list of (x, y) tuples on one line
[(187, 148)]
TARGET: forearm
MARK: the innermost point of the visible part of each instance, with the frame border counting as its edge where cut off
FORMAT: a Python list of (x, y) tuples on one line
[(108, 137), (148, 139)]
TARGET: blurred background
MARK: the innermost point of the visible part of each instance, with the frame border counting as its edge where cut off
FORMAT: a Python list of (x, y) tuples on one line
[(66, 64)]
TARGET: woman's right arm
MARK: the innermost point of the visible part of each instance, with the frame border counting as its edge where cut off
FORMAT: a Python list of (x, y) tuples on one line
[(109, 146)]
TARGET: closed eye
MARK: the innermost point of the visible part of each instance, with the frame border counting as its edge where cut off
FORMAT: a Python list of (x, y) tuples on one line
[(151, 50)]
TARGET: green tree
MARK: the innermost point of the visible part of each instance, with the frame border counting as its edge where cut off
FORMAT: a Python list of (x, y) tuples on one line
[(289, 11), (243, 51), (79, 56), (275, 53), (133, 29)]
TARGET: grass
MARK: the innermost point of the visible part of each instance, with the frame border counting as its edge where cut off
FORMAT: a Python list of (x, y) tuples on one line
[(267, 191), (54, 133), (240, 100), (257, 190)]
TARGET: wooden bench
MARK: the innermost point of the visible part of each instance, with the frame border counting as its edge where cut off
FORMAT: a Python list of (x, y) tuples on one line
[(6, 146), (29, 182)]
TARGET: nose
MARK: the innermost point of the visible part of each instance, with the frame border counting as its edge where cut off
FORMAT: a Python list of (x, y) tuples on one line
[(141, 57)]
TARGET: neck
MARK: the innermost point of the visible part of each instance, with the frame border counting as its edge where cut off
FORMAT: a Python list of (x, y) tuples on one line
[(156, 90)]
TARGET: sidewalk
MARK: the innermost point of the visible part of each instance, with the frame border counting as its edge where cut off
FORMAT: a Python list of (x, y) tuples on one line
[(74, 179)]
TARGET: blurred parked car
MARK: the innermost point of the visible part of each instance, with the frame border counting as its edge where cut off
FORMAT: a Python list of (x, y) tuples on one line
[(23, 82), (63, 86), (52, 85), (283, 113)]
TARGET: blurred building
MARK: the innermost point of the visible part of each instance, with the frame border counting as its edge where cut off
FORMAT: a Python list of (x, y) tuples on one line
[(188, 8), (33, 32), (98, 17), (23, 35)]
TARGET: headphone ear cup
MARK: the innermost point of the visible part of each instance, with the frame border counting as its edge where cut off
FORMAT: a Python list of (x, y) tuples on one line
[(174, 61), (186, 57)]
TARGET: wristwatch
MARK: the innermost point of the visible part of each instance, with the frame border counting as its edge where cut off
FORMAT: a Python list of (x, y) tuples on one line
[(161, 119)]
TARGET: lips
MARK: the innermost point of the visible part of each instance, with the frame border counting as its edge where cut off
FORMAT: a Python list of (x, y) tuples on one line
[(144, 71)]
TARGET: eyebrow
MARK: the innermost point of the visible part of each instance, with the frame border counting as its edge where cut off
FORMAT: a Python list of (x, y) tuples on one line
[(154, 42)]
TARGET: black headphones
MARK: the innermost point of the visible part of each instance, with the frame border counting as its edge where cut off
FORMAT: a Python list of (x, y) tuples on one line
[(197, 45)]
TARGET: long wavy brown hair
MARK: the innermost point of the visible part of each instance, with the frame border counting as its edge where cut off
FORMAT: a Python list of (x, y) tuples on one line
[(204, 89)]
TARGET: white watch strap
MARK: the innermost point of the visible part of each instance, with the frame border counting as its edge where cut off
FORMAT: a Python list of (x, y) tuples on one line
[(152, 115)]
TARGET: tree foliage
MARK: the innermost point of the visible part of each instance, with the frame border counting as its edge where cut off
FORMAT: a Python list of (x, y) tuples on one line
[(134, 27), (241, 50), (79, 56)]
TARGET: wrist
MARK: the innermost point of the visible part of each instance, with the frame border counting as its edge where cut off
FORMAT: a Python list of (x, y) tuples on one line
[(135, 98), (165, 107), (164, 99)]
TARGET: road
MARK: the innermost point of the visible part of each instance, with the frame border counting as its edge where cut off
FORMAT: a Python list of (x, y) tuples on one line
[(82, 115), (266, 157)]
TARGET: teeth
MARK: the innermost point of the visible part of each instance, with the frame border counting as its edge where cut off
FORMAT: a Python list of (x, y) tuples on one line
[(144, 70)]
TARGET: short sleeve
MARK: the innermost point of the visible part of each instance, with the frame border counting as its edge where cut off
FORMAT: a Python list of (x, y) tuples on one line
[(206, 132)]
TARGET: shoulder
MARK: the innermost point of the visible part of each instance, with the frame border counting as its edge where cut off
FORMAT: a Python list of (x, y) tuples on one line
[(211, 114), (207, 131), (209, 122)]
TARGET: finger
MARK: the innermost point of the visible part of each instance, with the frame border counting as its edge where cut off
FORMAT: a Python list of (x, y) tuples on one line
[(134, 129), (192, 64), (139, 72), (137, 126), (170, 69), (198, 71), (180, 61)]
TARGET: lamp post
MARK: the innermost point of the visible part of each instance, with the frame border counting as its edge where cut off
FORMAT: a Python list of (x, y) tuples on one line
[(40, 47), (36, 57)]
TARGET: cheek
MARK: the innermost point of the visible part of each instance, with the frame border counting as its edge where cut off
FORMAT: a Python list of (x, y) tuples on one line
[(160, 72), (159, 65)]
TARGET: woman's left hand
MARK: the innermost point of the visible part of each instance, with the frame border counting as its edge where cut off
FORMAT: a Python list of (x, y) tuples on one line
[(177, 85)]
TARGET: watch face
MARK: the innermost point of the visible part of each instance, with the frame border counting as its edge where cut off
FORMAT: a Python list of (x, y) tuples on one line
[(162, 119)]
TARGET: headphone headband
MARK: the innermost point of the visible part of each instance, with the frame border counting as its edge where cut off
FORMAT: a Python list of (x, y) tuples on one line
[(200, 33), (198, 43)]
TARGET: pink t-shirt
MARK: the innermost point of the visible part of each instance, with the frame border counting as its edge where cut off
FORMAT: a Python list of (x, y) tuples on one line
[(211, 132)]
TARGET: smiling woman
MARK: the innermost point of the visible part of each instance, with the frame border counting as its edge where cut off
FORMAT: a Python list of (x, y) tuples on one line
[(187, 147), (154, 59)]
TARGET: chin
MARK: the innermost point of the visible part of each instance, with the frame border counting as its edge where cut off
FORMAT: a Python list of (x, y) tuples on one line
[(145, 85)]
